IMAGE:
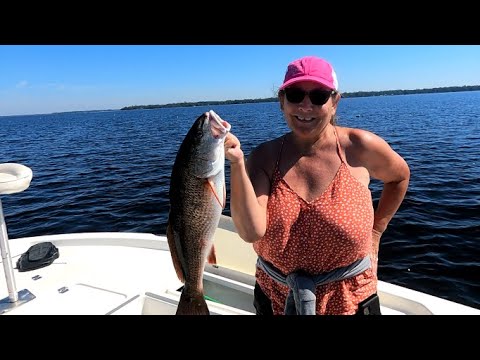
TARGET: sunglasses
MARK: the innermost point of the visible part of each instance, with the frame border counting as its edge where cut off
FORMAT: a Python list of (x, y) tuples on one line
[(317, 96)]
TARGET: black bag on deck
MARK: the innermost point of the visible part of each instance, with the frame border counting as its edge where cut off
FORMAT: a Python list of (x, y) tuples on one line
[(38, 256)]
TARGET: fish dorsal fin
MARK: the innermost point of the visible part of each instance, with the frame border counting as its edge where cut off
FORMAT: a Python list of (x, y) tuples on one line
[(173, 251)]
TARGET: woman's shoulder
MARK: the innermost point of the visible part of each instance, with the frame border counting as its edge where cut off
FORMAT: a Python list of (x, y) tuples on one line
[(265, 155), (356, 138), (268, 149)]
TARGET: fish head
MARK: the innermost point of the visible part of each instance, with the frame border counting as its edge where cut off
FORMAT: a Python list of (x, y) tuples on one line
[(211, 131)]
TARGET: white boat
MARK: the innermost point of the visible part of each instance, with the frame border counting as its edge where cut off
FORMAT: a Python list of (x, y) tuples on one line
[(132, 274)]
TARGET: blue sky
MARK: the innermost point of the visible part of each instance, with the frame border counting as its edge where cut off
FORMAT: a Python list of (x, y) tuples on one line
[(41, 79)]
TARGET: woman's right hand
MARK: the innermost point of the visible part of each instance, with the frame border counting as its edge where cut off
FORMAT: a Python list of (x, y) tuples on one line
[(233, 152)]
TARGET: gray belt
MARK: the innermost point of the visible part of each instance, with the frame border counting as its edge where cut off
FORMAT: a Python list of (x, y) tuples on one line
[(301, 299)]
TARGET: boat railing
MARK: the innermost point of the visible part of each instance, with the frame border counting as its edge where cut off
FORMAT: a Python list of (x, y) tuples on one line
[(14, 178)]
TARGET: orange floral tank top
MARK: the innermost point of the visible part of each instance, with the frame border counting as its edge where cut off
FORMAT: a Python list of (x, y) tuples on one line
[(332, 231)]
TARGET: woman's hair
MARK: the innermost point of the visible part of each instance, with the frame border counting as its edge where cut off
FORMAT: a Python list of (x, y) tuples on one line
[(335, 94)]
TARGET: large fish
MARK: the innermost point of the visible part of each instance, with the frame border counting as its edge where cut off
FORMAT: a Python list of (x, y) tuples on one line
[(197, 198)]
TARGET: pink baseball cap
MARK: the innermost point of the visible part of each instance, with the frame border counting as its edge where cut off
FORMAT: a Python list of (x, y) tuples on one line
[(310, 68)]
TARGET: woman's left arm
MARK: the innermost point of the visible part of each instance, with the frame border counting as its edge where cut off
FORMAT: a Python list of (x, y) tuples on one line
[(383, 164)]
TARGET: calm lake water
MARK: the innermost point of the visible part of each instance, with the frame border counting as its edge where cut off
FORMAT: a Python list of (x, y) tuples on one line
[(110, 171)]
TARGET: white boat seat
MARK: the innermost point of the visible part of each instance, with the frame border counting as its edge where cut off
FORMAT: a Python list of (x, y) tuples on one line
[(14, 178)]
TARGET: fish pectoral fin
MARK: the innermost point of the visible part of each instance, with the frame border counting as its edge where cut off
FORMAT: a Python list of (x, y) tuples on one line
[(173, 252), (212, 257), (212, 188)]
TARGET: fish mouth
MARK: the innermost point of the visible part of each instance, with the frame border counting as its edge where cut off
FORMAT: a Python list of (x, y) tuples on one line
[(218, 126)]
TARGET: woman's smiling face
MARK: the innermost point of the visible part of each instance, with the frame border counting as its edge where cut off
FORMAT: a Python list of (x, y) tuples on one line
[(305, 117)]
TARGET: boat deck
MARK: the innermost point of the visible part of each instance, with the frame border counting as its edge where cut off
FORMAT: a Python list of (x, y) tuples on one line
[(102, 279), (131, 273)]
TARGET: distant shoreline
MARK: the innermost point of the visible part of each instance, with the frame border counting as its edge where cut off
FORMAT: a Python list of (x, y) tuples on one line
[(344, 95), (272, 99)]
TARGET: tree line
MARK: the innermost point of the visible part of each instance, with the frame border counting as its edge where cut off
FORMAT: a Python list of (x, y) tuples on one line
[(344, 95)]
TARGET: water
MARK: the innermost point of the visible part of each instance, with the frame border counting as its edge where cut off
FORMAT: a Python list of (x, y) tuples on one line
[(110, 170)]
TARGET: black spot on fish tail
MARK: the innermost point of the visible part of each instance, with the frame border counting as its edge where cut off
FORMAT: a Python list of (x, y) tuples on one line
[(192, 305)]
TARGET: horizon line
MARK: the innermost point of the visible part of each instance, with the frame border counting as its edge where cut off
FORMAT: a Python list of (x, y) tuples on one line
[(366, 94)]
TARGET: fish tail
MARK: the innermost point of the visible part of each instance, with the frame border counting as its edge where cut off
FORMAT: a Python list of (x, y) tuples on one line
[(192, 305)]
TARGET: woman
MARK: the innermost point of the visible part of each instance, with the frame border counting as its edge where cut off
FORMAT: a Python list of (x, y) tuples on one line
[(303, 201)]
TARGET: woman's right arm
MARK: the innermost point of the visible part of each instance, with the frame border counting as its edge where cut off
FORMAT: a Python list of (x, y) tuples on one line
[(249, 189)]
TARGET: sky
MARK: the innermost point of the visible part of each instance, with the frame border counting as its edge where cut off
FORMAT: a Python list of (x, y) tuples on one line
[(42, 79)]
